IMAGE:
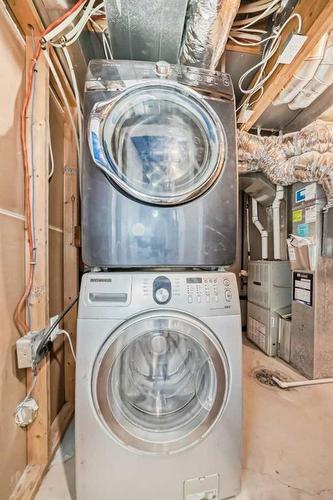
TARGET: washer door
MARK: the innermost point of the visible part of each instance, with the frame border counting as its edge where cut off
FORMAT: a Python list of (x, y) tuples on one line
[(160, 142), (160, 382)]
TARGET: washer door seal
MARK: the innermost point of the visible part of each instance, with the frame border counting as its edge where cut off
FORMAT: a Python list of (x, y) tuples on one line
[(161, 143), (160, 382)]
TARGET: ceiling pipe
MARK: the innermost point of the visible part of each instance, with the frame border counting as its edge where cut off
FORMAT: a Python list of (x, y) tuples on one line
[(207, 28), (276, 222), (304, 156), (303, 75), (322, 79)]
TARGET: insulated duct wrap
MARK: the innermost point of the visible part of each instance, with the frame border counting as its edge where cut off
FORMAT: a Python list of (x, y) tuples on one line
[(304, 156), (206, 32)]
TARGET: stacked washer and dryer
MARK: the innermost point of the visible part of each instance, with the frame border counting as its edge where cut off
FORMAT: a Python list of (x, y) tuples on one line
[(158, 387)]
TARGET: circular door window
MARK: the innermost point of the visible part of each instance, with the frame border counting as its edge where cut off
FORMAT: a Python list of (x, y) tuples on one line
[(160, 382), (163, 143)]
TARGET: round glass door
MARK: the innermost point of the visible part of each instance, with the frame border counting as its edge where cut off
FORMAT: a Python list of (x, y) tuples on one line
[(163, 143), (160, 382)]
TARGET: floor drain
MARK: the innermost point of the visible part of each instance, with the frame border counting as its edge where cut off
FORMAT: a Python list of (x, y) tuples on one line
[(265, 377)]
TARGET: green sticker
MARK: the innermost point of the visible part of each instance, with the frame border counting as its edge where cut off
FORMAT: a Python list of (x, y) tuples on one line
[(297, 215)]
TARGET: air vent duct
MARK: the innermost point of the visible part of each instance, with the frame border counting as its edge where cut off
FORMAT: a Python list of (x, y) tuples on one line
[(146, 30)]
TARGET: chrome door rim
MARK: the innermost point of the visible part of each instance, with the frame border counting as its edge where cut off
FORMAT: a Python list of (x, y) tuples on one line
[(111, 350), (102, 111)]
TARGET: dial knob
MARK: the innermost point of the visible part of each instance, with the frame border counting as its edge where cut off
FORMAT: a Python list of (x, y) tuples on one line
[(162, 68), (162, 295)]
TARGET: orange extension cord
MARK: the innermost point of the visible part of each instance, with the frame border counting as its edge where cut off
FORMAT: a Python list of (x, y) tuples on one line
[(21, 324)]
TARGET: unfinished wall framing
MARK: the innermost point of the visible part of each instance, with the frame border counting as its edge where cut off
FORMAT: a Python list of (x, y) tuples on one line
[(28, 451)]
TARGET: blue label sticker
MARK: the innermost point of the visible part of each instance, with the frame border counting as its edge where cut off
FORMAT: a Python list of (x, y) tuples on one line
[(300, 195), (303, 230)]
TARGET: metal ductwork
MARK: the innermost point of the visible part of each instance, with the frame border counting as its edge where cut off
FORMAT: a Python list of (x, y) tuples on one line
[(146, 31), (206, 32), (304, 156)]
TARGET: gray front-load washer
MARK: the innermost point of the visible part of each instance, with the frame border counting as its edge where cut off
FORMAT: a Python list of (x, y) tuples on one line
[(159, 170)]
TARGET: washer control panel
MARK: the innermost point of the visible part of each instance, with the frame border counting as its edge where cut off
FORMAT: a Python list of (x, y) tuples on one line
[(208, 289), (201, 293)]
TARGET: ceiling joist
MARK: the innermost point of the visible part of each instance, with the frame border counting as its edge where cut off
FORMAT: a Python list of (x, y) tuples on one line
[(317, 19)]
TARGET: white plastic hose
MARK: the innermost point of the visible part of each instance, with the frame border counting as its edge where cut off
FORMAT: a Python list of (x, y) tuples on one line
[(302, 383)]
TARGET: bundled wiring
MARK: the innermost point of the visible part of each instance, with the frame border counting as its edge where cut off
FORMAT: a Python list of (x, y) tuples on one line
[(19, 314), (273, 43), (47, 333)]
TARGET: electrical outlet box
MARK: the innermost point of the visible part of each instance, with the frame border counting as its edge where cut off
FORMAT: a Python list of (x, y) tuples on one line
[(26, 349), (292, 46)]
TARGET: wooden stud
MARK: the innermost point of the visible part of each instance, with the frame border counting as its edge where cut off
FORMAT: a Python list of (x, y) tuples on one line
[(71, 254), (38, 431), (59, 426), (317, 19), (27, 17)]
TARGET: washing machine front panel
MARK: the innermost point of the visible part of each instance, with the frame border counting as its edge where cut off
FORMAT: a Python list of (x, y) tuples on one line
[(160, 382), (160, 142)]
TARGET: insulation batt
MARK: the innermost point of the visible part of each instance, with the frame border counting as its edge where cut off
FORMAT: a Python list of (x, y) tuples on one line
[(208, 23), (304, 156)]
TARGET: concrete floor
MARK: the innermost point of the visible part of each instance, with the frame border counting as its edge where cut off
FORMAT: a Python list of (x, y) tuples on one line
[(288, 441)]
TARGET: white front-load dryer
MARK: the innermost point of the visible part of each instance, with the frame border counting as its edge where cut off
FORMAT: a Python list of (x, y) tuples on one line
[(158, 386)]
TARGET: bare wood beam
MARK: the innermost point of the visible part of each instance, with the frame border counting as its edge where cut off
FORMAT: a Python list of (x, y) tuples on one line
[(29, 21), (317, 19), (233, 47), (71, 253), (38, 431)]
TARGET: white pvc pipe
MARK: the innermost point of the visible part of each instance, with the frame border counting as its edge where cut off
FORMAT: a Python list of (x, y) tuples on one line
[(276, 222), (260, 227), (304, 74), (322, 79), (302, 383)]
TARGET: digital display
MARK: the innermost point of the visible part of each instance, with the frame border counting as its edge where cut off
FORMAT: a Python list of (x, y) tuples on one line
[(194, 280)]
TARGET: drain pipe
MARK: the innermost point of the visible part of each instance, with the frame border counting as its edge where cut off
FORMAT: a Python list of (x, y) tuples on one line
[(301, 383), (262, 231), (276, 222)]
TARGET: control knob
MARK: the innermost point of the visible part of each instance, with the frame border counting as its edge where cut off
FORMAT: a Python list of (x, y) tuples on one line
[(162, 295)]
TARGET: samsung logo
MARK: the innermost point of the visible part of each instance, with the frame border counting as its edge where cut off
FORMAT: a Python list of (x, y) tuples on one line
[(101, 280)]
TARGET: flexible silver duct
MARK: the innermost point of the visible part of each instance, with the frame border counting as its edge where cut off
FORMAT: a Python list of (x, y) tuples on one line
[(304, 156), (206, 31)]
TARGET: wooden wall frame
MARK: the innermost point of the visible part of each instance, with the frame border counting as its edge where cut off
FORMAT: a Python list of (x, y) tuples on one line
[(43, 436)]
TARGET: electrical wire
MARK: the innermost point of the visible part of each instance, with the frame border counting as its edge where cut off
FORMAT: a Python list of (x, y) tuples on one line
[(269, 52), (51, 172), (20, 321), (69, 341), (47, 333)]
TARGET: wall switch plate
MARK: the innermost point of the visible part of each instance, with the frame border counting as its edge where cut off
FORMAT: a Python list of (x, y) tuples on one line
[(292, 47)]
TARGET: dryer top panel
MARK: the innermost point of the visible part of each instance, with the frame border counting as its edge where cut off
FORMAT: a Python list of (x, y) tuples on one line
[(121, 294), (118, 75)]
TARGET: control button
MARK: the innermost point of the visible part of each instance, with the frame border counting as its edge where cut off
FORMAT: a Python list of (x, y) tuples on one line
[(207, 298), (226, 282), (162, 295), (228, 295), (216, 298), (190, 299), (198, 299)]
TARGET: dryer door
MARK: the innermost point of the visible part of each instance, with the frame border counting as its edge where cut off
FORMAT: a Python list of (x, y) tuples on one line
[(160, 382), (160, 142)]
